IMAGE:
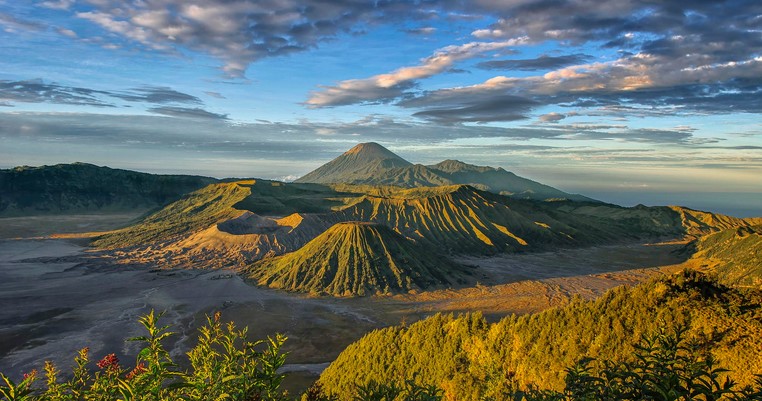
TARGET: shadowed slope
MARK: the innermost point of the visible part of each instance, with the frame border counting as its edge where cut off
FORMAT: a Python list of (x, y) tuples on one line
[(355, 258), (81, 187), (500, 181)]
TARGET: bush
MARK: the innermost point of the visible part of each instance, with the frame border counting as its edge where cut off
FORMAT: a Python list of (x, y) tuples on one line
[(224, 365)]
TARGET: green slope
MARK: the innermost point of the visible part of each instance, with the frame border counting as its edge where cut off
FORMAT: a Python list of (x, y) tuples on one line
[(195, 211), (734, 255), (80, 187), (355, 258), (462, 219), (222, 203), (473, 360)]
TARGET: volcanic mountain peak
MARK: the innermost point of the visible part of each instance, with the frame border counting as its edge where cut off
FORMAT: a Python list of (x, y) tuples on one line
[(362, 161), (372, 150)]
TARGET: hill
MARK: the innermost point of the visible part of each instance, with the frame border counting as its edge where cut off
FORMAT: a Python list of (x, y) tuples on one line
[(81, 187), (356, 258), (500, 181), (372, 164), (230, 212), (471, 359), (462, 219), (733, 256)]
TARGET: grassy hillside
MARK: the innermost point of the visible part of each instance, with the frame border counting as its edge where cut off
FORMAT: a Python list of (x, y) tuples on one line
[(80, 187), (734, 255), (222, 203), (355, 258), (462, 219), (472, 359), (195, 211)]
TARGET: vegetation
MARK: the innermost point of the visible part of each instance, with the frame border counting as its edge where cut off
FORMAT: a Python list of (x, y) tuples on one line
[(81, 187), (471, 359), (195, 211), (665, 366), (356, 258), (221, 202), (224, 365), (674, 361), (734, 255)]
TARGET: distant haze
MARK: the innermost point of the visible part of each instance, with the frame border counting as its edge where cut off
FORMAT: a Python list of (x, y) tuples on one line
[(738, 204)]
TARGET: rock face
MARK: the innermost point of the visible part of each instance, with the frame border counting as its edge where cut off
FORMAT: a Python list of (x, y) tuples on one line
[(356, 258), (81, 187), (372, 164)]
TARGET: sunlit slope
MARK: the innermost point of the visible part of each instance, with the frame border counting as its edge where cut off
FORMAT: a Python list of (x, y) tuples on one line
[(225, 213), (473, 360), (85, 188), (195, 211), (463, 219), (734, 255), (356, 258), (699, 223)]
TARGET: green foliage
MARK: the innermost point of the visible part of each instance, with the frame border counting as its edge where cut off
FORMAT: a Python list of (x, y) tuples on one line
[(665, 366), (224, 365), (473, 360), (734, 255)]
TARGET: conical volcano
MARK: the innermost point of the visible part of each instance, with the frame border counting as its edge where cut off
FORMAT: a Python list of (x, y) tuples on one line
[(372, 164), (362, 161), (356, 258)]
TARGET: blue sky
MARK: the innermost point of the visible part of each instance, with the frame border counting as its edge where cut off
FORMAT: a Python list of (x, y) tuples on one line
[(624, 100)]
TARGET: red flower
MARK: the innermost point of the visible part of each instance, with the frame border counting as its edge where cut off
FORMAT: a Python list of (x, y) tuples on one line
[(31, 375), (139, 370), (109, 362)]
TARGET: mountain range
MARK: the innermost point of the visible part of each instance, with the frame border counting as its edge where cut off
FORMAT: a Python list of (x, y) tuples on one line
[(345, 230), (372, 164)]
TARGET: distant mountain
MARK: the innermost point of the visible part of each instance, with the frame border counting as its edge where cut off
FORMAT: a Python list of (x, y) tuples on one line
[(356, 258), (81, 187), (372, 164), (356, 164)]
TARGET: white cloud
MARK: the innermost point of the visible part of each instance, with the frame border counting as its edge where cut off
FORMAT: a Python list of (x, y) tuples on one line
[(391, 85)]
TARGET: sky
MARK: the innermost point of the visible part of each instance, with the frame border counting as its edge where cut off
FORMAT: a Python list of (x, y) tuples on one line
[(654, 102)]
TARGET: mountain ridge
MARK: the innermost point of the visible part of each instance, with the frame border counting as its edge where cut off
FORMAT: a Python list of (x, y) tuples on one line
[(372, 164), (83, 187)]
